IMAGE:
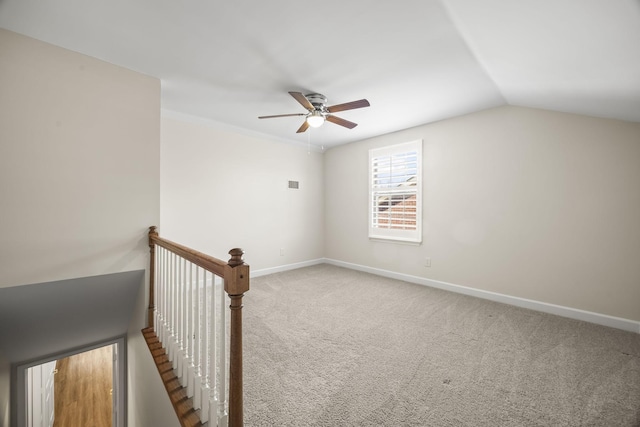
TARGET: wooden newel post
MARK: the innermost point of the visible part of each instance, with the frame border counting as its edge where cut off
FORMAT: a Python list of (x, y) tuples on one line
[(236, 283), (153, 232)]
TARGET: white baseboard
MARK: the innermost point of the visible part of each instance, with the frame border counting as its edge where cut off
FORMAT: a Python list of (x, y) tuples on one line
[(287, 267), (572, 313)]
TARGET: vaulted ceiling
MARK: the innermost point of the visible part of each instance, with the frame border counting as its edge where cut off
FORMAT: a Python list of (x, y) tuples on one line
[(416, 61)]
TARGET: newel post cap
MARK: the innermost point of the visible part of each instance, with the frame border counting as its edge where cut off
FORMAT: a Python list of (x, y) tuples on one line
[(236, 278)]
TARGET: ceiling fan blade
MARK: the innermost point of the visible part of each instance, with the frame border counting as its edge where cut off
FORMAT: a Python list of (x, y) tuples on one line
[(304, 127), (348, 106), (341, 122), (302, 100), (282, 115)]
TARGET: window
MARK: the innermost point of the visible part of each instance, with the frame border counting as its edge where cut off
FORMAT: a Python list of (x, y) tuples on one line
[(395, 192)]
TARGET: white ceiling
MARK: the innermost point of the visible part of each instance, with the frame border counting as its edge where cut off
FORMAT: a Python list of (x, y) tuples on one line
[(416, 61)]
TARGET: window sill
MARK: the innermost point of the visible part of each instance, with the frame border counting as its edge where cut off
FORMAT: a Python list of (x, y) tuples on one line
[(397, 241)]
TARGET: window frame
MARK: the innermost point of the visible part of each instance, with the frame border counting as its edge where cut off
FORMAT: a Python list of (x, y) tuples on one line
[(413, 235)]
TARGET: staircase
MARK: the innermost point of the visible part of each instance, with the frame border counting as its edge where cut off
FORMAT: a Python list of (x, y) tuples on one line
[(195, 331), (182, 404)]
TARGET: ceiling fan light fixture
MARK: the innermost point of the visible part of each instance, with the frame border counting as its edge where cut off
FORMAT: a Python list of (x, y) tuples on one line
[(315, 119)]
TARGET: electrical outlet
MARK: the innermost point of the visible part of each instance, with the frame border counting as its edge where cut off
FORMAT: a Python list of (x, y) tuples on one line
[(427, 262), (281, 251)]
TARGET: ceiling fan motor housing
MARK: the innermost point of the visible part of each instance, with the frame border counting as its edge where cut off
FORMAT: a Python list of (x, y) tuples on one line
[(317, 100)]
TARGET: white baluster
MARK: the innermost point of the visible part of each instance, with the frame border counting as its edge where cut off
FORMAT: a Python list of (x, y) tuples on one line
[(212, 336), (175, 319), (190, 333), (172, 301), (172, 306), (197, 401), (179, 312), (157, 290), (204, 412), (204, 349), (209, 391), (182, 372), (213, 409), (163, 295)]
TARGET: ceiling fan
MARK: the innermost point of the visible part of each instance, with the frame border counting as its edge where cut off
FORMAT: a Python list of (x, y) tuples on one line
[(319, 112)]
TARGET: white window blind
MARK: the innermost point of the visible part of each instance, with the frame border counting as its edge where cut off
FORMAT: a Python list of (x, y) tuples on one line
[(395, 198)]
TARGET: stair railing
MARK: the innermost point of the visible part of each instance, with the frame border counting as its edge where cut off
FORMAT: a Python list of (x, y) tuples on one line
[(188, 295)]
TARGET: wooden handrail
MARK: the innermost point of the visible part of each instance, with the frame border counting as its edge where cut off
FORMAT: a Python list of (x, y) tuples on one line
[(236, 282), (203, 260)]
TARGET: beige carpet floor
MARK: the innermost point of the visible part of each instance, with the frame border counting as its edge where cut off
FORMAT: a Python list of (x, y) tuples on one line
[(327, 346)]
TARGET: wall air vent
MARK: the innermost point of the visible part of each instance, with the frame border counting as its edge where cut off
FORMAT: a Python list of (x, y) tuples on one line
[(294, 185)]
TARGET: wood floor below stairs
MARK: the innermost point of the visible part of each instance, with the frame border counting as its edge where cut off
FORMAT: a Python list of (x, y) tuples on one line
[(83, 389), (183, 405)]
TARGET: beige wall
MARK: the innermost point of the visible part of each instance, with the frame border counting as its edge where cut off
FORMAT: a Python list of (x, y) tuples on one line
[(528, 203), (79, 163), (149, 405), (79, 175), (221, 189)]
